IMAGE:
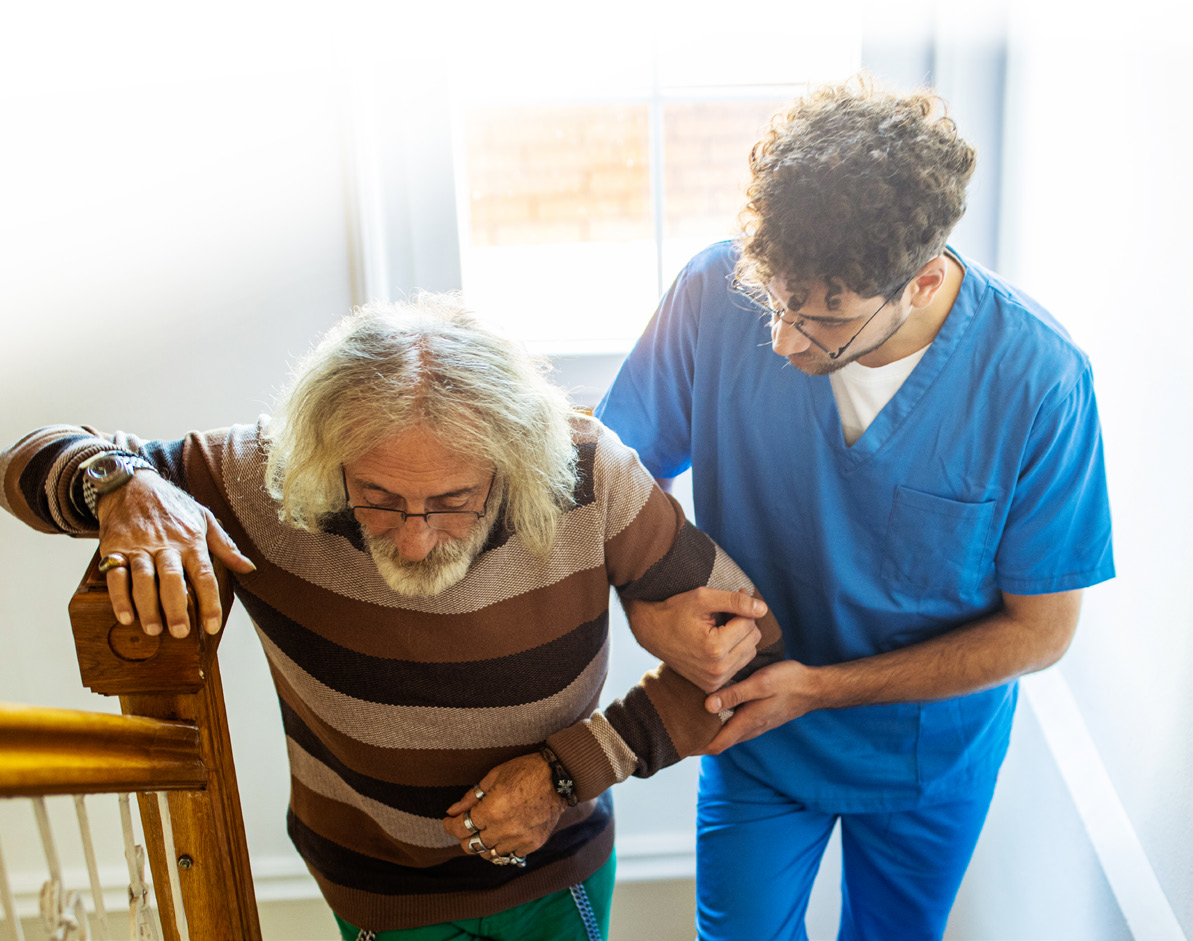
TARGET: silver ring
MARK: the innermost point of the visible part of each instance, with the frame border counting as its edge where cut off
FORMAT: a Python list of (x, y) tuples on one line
[(478, 793), (472, 827), (113, 560), (476, 845)]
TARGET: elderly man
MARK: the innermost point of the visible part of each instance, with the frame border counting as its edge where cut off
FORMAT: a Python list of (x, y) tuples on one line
[(429, 534)]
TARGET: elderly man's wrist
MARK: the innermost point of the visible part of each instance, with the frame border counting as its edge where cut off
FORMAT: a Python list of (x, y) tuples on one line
[(107, 503), (561, 780), (103, 474)]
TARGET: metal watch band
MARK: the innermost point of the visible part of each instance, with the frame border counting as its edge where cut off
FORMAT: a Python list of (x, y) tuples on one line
[(91, 495)]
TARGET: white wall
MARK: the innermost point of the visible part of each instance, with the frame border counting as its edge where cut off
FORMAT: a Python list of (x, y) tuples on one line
[(1099, 203), (174, 231)]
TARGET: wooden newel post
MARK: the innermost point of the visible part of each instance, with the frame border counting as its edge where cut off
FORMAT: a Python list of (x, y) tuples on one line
[(165, 677)]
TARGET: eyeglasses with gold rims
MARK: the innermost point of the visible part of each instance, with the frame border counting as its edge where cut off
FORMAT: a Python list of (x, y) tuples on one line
[(382, 518)]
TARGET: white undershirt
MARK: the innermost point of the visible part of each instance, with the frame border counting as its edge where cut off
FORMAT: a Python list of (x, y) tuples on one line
[(862, 391)]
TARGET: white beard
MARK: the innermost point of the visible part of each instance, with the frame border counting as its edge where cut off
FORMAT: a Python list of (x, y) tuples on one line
[(444, 566)]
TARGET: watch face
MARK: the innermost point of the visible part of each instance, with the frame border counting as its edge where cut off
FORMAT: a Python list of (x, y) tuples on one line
[(107, 472), (104, 468)]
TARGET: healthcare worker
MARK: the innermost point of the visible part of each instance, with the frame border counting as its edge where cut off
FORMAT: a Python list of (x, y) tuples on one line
[(916, 486)]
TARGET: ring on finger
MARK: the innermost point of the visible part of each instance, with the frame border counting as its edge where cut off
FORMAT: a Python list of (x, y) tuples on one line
[(113, 560), (476, 845), (472, 827), (478, 793)]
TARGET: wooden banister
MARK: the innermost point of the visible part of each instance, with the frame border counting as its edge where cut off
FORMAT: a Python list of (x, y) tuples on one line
[(63, 751), (176, 681)]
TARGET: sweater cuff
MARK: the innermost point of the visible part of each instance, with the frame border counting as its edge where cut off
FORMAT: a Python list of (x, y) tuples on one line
[(585, 761)]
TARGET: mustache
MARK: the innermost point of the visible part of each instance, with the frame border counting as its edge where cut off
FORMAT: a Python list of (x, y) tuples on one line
[(443, 566), (439, 555)]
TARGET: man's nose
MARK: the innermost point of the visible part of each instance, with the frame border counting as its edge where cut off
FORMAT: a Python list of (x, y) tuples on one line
[(414, 539), (786, 340)]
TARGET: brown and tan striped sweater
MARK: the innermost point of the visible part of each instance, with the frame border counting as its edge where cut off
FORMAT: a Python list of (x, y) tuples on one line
[(393, 706)]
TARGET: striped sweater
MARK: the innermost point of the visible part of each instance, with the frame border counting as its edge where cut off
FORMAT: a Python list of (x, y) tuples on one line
[(394, 706)]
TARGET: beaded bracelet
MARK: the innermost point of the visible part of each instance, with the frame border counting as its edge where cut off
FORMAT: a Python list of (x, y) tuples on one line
[(564, 785)]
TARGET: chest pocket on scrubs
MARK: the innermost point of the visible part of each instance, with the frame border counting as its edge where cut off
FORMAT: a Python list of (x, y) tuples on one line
[(935, 542)]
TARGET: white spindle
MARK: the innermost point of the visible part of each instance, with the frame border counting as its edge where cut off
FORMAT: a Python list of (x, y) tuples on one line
[(61, 909), (47, 839), (140, 916), (10, 906), (97, 892)]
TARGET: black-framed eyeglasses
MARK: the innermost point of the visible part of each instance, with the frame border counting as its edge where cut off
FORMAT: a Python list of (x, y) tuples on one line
[(386, 518), (798, 325)]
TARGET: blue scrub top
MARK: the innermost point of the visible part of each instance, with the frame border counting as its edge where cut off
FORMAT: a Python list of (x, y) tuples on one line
[(983, 474)]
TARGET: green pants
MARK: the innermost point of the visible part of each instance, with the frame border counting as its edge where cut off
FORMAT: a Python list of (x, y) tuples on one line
[(554, 917)]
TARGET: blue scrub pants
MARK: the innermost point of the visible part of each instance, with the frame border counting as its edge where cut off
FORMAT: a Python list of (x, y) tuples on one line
[(758, 851)]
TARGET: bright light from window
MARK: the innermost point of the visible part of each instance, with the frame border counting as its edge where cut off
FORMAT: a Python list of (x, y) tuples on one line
[(589, 170)]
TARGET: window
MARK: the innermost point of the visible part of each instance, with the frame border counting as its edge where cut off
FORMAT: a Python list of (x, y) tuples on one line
[(584, 182)]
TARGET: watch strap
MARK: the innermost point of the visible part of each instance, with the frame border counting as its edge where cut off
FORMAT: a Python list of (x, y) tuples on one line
[(564, 786)]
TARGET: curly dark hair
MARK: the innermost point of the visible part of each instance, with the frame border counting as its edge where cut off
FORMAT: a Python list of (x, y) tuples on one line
[(854, 187)]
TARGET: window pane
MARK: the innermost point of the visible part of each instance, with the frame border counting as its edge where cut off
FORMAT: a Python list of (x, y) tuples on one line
[(706, 169), (559, 230), (577, 173), (589, 171)]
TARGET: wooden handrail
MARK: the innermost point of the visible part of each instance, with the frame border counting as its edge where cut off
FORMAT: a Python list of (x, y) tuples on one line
[(65, 751)]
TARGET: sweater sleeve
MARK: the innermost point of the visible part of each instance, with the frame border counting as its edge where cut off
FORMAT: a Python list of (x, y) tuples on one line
[(651, 553), (40, 484), (40, 480)]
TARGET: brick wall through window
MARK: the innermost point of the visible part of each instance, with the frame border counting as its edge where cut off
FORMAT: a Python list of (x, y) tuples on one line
[(581, 173)]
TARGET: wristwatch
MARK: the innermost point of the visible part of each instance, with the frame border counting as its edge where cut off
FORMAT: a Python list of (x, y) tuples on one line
[(108, 471)]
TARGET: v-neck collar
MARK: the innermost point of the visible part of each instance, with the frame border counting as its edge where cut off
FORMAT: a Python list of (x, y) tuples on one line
[(904, 402)]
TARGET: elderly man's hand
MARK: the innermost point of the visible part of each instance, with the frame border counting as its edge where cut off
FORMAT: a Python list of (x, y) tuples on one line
[(167, 539), (682, 632), (518, 812)]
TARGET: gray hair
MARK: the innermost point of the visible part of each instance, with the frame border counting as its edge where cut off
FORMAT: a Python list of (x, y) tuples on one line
[(430, 363)]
